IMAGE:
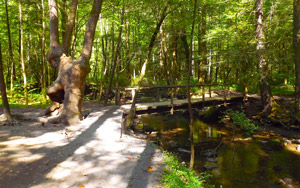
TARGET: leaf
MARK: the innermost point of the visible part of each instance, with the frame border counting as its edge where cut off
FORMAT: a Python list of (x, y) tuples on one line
[(81, 186), (129, 157), (149, 168)]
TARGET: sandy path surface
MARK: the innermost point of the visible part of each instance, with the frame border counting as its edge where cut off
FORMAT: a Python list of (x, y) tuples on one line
[(90, 154)]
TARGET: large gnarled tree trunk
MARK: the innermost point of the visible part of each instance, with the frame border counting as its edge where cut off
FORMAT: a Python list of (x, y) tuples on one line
[(67, 90)]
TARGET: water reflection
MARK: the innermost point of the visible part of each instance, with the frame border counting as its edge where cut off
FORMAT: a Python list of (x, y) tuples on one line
[(255, 163)]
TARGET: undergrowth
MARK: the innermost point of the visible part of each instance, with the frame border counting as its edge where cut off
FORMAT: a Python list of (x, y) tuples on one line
[(240, 120), (178, 175)]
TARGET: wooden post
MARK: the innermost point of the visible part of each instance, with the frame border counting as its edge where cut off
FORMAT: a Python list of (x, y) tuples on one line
[(209, 91), (157, 95), (225, 104), (172, 101), (203, 93), (117, 97), (132, 94), (245, 94), (228, 90)]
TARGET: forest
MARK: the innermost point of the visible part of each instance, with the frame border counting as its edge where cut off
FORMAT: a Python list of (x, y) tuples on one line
[(62, 58)]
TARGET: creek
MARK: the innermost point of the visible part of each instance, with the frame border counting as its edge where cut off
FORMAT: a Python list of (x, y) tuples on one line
[(233, 160)]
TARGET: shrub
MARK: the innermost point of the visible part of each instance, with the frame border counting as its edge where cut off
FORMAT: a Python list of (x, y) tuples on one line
[(240, 120)]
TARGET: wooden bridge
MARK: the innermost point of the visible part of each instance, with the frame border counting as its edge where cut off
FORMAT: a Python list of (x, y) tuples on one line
[(209, 96)]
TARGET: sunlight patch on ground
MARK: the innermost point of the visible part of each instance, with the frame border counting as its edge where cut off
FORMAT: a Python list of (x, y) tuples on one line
[(29, 158)]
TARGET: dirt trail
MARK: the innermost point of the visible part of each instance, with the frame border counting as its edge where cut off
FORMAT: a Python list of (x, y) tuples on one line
[(90, 154)]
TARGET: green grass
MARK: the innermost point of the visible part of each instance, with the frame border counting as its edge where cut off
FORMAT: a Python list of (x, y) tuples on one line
[(178, 175), (15, 105)]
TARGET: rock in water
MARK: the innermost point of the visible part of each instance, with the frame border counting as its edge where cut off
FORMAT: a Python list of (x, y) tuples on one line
[(173, 144), (297, 141), (183, 150), (277, 168), (213, 160), (210, 167)]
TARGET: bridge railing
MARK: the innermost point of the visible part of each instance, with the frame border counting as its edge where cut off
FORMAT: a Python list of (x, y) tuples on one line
[(158, 88)]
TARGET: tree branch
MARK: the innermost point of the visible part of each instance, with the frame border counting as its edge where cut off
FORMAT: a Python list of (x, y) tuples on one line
[(90, 31), (54, 35), (70, 26)]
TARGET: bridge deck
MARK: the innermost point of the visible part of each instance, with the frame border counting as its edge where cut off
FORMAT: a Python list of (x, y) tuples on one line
[(165, 104)]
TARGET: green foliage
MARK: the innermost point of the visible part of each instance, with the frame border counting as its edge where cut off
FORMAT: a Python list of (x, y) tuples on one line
[(34, 97), (239, 119), (178, 175), (283, 90), (226, 28), (282, 114), (14, 105)]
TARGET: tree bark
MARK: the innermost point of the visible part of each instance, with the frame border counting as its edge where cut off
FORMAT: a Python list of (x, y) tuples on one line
[(70, 27), (6, 109), (265, 91), (296, 45), (67, 90)]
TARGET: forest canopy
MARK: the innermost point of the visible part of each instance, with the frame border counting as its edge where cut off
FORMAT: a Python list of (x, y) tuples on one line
[(223, 37)]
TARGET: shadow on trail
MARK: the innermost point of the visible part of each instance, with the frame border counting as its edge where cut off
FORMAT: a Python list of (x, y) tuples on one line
[(34, 173), (140, 176)]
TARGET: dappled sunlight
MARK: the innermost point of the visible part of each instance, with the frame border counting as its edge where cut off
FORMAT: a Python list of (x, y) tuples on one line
[(90, 153), (100, 164), (28, 157)]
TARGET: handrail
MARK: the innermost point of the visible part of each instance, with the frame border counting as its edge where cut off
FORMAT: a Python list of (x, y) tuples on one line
[(158, 87), (166, 86)]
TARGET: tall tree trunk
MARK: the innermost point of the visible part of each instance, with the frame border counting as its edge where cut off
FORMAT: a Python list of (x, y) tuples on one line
[(10, 49), (265, 91), (117, 55), (296, 45), (188, 54), (3, 90), (144, 67), (192, 159), (202, 48), (43, 45), (22, 53), (67, 90)]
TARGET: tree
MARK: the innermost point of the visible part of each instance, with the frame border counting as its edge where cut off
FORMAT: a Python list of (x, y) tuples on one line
[(192, 159), (67, 90), (296, 44), (22, 53), (11, 55), (144, 67), (265, 91), (202, 49), (117, 56), (3, 90)]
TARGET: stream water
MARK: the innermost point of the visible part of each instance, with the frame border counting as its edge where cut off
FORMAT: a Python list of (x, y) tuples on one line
[(243, 163)]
